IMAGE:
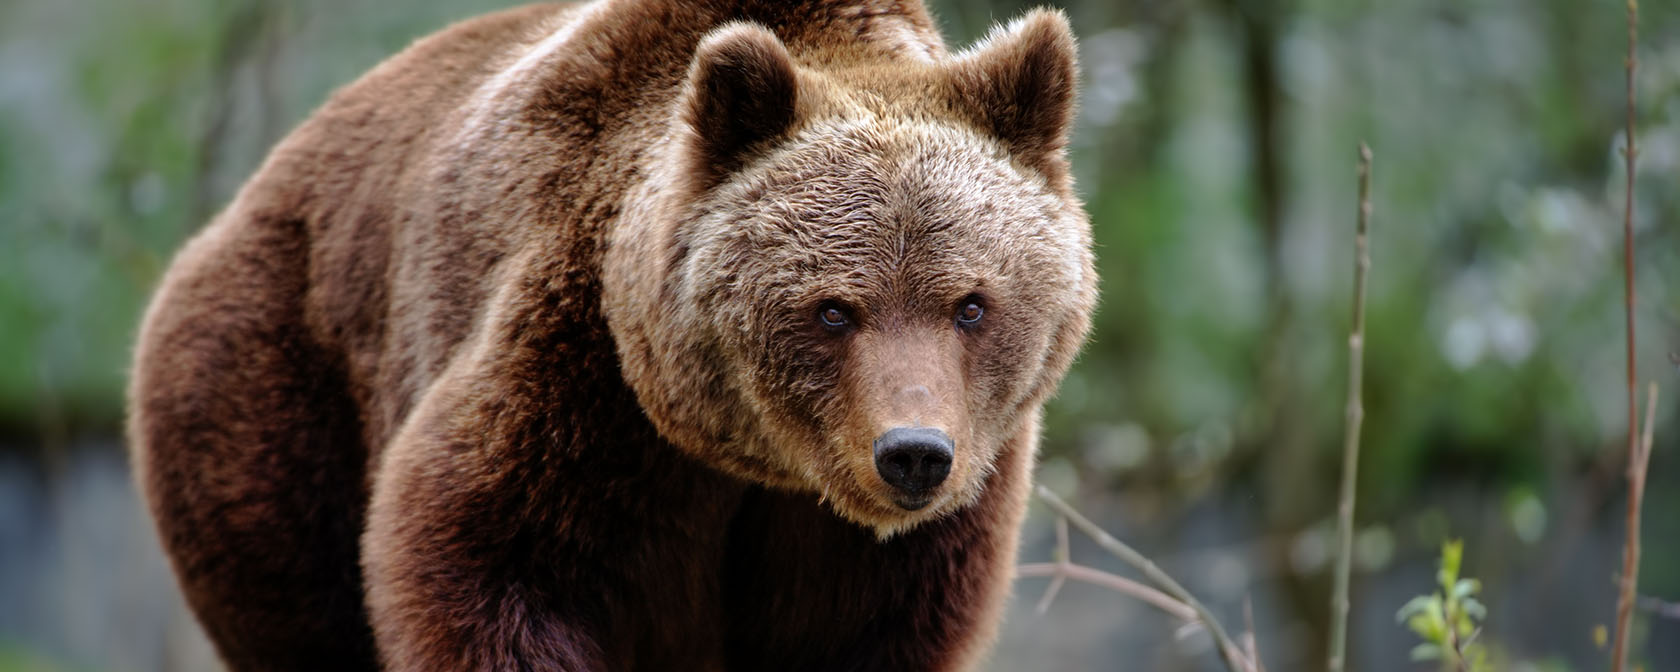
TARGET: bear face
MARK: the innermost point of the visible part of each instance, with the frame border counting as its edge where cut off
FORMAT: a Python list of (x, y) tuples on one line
[(868, 279)]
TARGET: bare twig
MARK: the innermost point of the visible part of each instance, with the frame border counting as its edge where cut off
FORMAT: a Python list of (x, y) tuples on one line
[(1116, 583), (1355, 417), (1063, 568), (1063, 559), (1638, 464), (1250, 646), (1228, 650), (1659, 608), (1645, 440), (1636, 478)]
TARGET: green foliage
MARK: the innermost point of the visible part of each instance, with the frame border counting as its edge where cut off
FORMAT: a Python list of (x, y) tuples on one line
[(1449, 619)]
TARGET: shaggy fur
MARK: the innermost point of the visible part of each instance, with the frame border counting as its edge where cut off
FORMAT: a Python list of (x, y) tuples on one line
[(510, 357)]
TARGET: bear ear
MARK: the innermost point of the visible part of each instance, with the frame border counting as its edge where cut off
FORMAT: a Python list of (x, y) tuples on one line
[(1019, 85), (741, 91)]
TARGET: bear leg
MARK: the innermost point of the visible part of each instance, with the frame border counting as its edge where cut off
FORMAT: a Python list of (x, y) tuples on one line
[(247, 448)]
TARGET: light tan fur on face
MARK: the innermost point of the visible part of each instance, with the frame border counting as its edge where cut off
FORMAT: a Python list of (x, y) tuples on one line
[(905, 373), (894, 191)]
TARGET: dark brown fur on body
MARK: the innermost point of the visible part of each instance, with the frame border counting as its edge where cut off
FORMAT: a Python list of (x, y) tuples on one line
[(509, 357)]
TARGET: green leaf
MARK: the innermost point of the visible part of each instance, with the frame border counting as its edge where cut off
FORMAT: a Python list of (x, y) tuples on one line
[(1430, 625), (1423, 652), (1473, 608), (1416, 605), (1463, 627), (1452, 558)]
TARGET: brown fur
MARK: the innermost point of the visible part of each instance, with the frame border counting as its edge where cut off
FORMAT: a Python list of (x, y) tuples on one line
[(508, 358)]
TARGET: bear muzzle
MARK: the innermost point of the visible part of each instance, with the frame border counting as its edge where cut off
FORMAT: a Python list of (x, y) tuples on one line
[(914, 461)]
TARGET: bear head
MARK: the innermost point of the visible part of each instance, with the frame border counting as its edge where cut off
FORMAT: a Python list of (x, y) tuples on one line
[(857, 279)]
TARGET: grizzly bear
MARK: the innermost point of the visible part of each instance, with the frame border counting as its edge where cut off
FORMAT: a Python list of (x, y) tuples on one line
[(629, 335)]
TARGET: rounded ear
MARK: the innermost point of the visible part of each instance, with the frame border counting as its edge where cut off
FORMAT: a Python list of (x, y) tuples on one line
[(1019, 85), (741, 91)]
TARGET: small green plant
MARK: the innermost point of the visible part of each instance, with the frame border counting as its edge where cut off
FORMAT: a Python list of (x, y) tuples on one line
[(1449, 620)]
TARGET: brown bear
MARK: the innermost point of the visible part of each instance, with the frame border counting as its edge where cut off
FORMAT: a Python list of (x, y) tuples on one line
[(630, 335)]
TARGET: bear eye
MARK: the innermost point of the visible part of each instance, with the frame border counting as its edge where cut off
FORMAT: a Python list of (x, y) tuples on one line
[(833, 316), (970, 313)]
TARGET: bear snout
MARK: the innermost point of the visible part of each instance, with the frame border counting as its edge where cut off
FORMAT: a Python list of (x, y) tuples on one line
[(914, 461)]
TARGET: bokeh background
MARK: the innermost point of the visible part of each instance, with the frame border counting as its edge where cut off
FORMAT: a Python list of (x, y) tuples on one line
[(1216, 152)]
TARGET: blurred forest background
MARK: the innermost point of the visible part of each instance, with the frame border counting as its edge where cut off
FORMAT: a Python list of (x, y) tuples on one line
[(1216, 151)]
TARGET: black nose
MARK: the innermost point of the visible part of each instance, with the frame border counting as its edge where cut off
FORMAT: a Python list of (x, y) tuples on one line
[(913, 459)]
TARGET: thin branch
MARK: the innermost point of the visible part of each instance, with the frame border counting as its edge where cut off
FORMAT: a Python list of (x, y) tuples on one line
[(1659, 608), (1063, 560), (1228, 651), (1063, 569), (1355, 418), (1455, 649), (1645, 441), (1638, 466), (1250, 646), (1114, 582), (1636, 479)]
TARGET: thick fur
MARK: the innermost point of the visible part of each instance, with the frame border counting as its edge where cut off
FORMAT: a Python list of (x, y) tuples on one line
[(509, 357)]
